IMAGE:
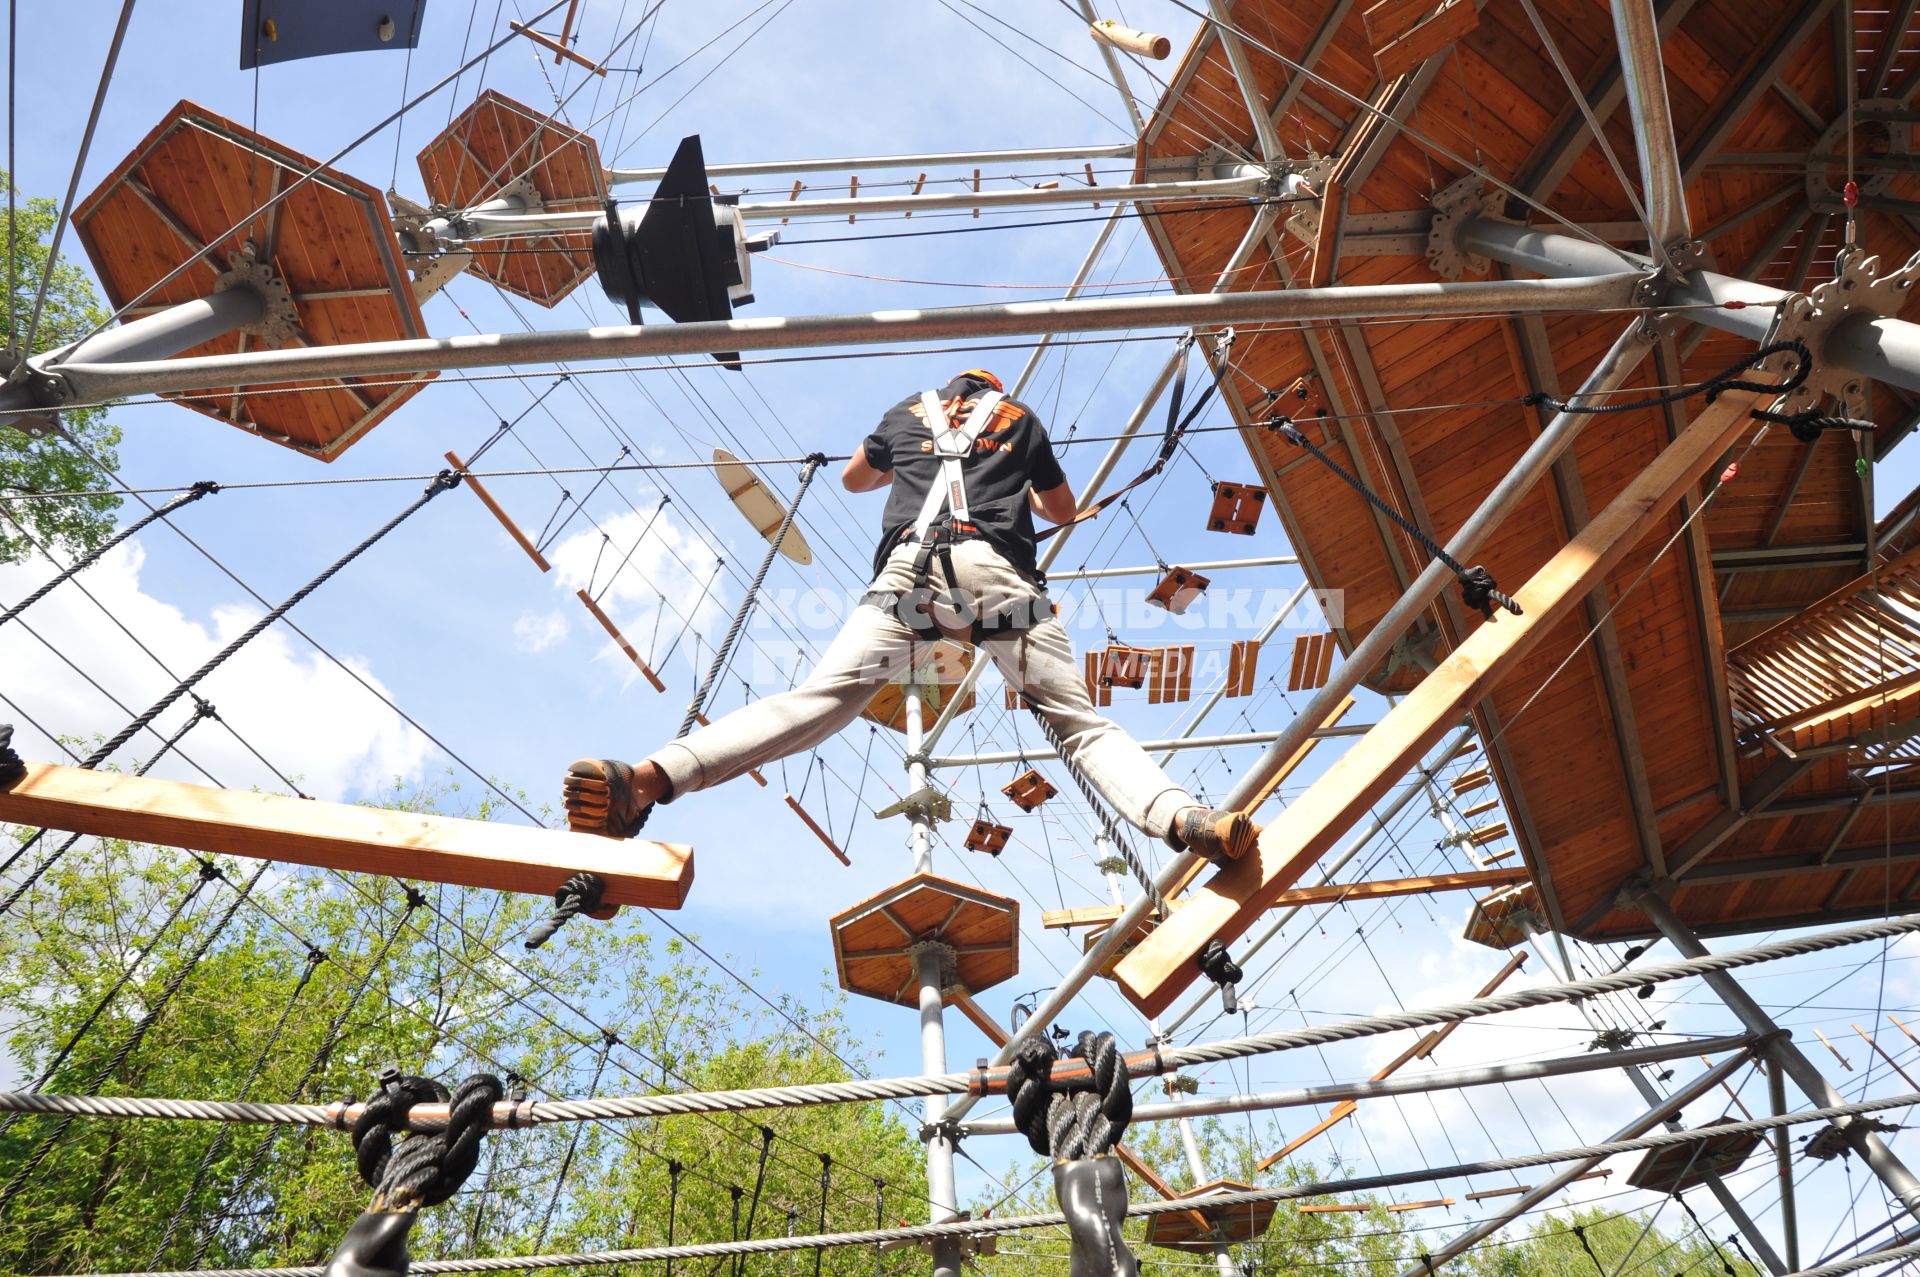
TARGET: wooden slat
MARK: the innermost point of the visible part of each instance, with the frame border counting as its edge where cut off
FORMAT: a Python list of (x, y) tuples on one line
[(1427, 39), (1154, 973), (466, 853), (493, 507), (1388, 20), (613, 632)]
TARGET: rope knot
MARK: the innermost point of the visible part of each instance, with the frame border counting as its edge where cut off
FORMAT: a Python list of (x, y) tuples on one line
[(1218, 966), (12, 766), (580, 893), (203, 488), (425, 1169), (1479, 590)]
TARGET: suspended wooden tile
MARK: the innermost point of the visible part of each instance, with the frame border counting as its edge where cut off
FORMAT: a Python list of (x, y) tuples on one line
[(499, 146), (1312, 662), (1205, 1227), (1243, 662), (1098, 689), (986, 836), (1177, 590), (1236, 508), (324, 254), (1123, 666), (1170, 675), (1028, 790)]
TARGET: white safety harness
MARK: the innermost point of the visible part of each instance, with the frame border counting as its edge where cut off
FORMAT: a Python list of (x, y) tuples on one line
[(953, 444)]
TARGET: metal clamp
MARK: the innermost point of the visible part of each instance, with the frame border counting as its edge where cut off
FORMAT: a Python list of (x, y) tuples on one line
[(1857, 288), (1454, 205)]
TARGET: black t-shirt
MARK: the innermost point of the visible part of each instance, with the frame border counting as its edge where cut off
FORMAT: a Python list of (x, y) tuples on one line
[(1012, 453)]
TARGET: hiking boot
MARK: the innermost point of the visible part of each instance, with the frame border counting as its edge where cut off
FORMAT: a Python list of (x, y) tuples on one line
[(598, 794), (1218, 835)]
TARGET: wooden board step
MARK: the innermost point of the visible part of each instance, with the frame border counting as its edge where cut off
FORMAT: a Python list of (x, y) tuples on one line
[(1480, 809), (1492, 833), (399, 844), (1471, 781)]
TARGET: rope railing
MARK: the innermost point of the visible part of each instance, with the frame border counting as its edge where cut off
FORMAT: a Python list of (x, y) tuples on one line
[(1020, 1223), (977, 1081)]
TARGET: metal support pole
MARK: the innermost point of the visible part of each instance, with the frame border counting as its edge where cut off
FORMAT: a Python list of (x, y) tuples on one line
[(1354, 847), (409, 358), (929, 964), (1527, 1201), (1115, 73), (1880, 1159), (481, 223), (1170, 746), (1264, 133), (1783, 1165), (1219, 693), (1611, 372), (1638, 32), (1196, 1164), (1413, 1084), (937, 159), (1080, 278), (920, 830), (1635, 1071), (170, 331)]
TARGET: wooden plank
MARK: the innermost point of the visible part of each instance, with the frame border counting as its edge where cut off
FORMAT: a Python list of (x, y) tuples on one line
[(493, 507), (1154, 973), (1388, 20), (1427, 39), (399, 844), (613, 632), (1325, 894)]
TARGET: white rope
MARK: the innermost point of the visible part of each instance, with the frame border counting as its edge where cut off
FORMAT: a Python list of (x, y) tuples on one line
[(341, 1114)]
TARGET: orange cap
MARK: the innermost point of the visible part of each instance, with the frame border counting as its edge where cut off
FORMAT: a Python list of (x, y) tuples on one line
[(985, 376)]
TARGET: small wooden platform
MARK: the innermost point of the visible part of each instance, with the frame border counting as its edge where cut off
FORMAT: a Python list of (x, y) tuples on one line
[(399, 844), (872, 940), (488, 147), (942, 665), (330, 242), (1230, 1224), (754, 499)]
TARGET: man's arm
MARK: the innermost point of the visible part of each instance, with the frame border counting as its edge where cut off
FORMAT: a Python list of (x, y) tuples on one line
[(860, 476), (1056, 504)]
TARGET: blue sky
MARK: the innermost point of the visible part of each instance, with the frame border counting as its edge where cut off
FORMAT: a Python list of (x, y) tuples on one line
[(501, 663)]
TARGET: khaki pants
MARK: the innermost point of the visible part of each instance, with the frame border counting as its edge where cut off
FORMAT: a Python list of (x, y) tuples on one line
[(876, 646)]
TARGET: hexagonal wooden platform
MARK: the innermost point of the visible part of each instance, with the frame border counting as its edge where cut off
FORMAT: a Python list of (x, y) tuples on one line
[(495, 143), (176, 198), (946, 664), (872, 940), (1179, 1230)]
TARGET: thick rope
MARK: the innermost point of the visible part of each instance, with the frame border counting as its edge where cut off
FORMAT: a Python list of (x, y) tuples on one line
[(1103, 811), (1140, 1064), (725, 649), (1220, 1201), (426, 1169), (205, 487)]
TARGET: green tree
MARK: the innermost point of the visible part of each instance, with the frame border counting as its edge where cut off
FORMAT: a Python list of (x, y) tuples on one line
[(50, 463), (1619, 1243), (453, 994)]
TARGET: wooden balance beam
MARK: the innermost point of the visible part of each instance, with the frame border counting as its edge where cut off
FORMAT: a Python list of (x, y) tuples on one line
[(398, 844), (1229, 902)]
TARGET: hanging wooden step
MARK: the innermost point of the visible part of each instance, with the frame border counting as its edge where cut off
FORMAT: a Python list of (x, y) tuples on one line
[(1170, 675), (613, 632), (1236, 508), (1243, 663), (493, 507), (987, 837), (1177, 590), (1471, 781), (1028, 790), (1312, 662), (818, 832), (1491, 833), (1480, 809)]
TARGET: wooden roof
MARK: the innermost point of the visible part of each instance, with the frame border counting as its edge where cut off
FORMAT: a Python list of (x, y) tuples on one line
[(1627, 752), (178, 197)]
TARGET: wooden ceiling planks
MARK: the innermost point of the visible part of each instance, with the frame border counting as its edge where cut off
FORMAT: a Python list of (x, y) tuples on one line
[(177, 195), (1500, 100)]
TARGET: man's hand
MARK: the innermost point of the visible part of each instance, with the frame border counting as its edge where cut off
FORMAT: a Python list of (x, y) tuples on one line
[(1055, 505), (861, 477)]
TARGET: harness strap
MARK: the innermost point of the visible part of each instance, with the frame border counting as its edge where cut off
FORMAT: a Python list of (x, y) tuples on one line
[(953, 444)]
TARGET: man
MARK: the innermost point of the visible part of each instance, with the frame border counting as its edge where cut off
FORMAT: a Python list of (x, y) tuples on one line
[(968, 468)]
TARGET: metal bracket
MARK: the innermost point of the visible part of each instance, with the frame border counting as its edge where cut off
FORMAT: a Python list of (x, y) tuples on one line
[(1454, 205), (279, 322), (1857, 288), (927, 800), (1304, 222), (943, 952), (1898, 122)]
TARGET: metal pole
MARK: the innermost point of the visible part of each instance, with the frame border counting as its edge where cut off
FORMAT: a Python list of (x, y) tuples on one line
[(1880, 1159), (172, 330), (1171, 745), (1263, 131), (1611, 372), (1155, 569), (929, 964), (1259, 643), (1114, 72), (1638, 32), (1263, 219), (1416, 1084), (412, 357), (1080, 278), (1353, 848), (920, 829), (934, 159), (1527, 1201), (502, 222), (1736, 1213), (1783, 1165)]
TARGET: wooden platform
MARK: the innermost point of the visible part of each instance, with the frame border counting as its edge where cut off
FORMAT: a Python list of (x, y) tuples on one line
[(466, 853), (330, 241), (490, 146), (1630, 751), (872, 940), (1205, 1227)]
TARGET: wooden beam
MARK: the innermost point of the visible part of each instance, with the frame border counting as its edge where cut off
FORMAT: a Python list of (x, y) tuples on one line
[(493, 507), (1325, 894), (1227, 904), (398, 844)]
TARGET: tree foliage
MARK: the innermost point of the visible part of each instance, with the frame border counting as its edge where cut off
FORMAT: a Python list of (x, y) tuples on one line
[(50, 463)]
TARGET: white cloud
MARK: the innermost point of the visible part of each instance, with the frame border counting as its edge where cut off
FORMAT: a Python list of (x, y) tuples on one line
[(306, 715), (535, 632)]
